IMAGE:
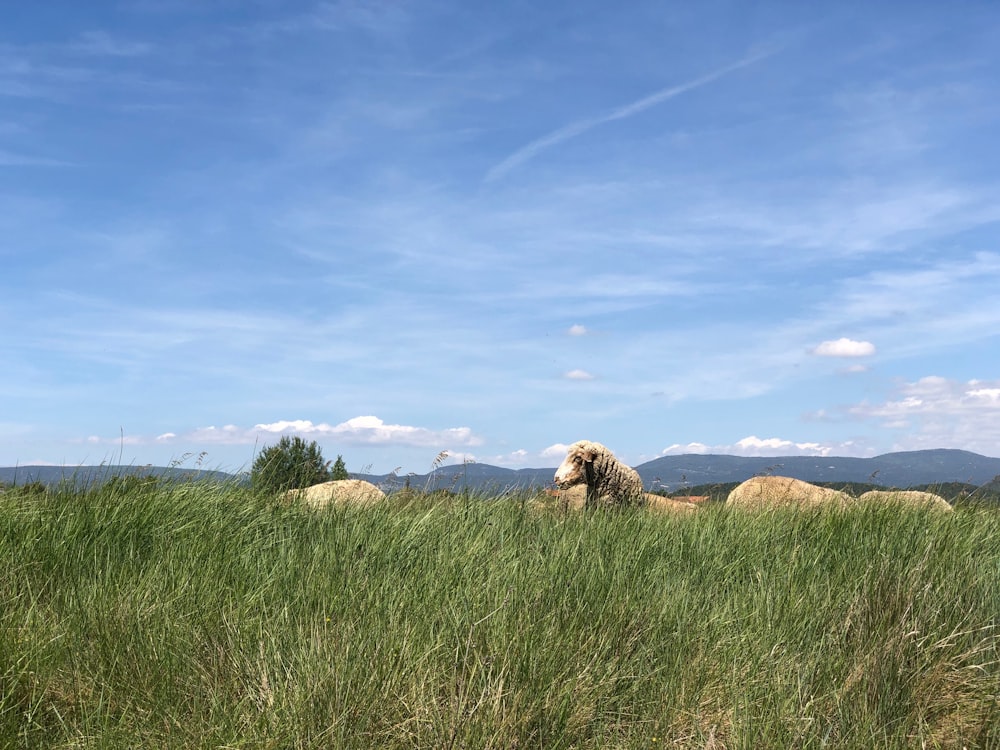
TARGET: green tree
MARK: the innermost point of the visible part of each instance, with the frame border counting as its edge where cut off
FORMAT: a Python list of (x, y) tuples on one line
[(339, 470), (291, 464)]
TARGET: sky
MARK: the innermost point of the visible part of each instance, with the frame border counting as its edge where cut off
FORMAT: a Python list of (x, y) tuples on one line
[(494, 229)]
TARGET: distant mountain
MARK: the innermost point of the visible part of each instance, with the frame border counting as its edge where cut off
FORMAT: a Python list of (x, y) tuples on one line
[(86, 476), (473, 475), (904, 469)]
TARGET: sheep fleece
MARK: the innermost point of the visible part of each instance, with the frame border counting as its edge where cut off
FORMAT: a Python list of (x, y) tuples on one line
[(912, 497), (772, 491), (338, 492), (614, 482)]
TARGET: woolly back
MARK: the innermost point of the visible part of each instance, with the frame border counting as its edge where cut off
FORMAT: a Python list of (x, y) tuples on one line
[(615, 479), (775, 491)]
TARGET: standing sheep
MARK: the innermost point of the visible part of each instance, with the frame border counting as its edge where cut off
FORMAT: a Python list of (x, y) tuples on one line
[(608, 481)]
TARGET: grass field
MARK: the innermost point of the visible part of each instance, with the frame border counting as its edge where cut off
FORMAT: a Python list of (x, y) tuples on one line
[(199, 616)]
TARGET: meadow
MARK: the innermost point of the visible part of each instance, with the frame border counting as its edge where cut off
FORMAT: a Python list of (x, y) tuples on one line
[(199, 615)]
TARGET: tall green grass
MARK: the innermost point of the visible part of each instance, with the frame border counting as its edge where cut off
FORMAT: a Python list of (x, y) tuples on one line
[(200, 616)]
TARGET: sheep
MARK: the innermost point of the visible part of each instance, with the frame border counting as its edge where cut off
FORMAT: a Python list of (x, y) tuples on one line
[(338, 492), (669, 504), (912, 497), (759, 493), (608, 481)]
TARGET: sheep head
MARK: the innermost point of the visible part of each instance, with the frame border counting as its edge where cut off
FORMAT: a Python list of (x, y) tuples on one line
[(573, 469)]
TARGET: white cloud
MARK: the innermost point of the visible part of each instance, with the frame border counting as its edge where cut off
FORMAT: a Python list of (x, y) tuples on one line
[(295, 425), (370, 429), (678, 449), (577, 330), (989, 396), (558, 450), (935, 396), (522, 458), (116, 440), (227, 435), (844, 347), (937, 412), (458, 458), (755, 446), (364, 429), (578, 375)]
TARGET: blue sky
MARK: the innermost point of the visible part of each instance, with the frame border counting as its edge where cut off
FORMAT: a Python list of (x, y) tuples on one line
[(497, 228)]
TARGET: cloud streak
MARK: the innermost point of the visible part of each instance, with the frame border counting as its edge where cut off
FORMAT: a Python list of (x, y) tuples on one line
[(763, 447), (934, 411), (368, 430), (565, 133), (9, 159), (844, 347), (102, 44)]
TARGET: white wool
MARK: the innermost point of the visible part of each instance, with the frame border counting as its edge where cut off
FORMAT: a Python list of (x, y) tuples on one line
[(338, 492), (909, 497), (609, 482), (771, 491)]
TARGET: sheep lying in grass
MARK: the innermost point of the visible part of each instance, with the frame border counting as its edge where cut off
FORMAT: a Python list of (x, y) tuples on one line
[(663, 504), (575, 498), (609, 482), (338, 492), (908, 497), (759, 493)]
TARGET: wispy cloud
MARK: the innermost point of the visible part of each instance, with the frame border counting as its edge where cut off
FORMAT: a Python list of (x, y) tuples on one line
[(8, 159), (934, 411), (358, 430), (370, 429), (844, 347), (324, 18), (103, 44), (557, 450), (531, 150), (765, 447)]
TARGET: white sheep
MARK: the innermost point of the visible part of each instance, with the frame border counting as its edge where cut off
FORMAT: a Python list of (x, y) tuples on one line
[(338, 492), (761, 493), (608, 481)]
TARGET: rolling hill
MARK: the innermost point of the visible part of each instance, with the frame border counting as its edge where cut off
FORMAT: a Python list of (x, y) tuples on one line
[(901, 469)]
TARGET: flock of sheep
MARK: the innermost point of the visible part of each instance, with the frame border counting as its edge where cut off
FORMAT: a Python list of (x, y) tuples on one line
[(590, 476)]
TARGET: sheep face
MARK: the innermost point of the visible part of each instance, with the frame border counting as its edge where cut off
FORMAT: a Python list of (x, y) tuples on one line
[(573, 469)]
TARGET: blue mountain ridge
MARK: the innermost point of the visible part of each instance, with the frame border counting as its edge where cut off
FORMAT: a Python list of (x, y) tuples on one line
[(900, 469)]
